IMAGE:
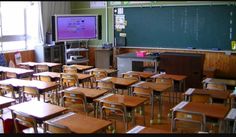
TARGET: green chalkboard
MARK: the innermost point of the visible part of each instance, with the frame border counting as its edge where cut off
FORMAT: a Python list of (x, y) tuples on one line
[(200, 27)]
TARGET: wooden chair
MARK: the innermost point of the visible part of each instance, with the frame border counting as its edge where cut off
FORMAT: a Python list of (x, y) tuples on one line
[(51, 95), (219, 87), (41, 68), (52, 128), (76, 102), (8, 91), (168, 81), (114, 111), (69, 69), (27, 121), (68, 80), (187, 122), (216, 86), (108, 85), (97, 75), (33, 92)]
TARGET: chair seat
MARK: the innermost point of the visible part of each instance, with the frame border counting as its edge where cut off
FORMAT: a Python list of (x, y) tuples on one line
[(31, 130)]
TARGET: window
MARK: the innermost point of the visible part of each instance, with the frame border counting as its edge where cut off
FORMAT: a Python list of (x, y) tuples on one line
[(20, 25)]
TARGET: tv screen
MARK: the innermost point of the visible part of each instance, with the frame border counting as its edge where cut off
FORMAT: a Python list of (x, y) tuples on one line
[(76, 27)]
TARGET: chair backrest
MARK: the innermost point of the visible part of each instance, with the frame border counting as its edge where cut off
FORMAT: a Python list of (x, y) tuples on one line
[(68, 79), (107, 106), (25, 120), (131, 76), (41, 68), (108, 85), (51, 127), (167, 81), (216, 86), (45, 78), (200, 98), (187, 121), (98, 74), (31, 91), (7, 89), (142, 91), (74, 98), (110, 109), (69, 69)]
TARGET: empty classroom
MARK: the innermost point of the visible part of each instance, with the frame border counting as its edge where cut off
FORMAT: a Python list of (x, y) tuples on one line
[(111, 67)]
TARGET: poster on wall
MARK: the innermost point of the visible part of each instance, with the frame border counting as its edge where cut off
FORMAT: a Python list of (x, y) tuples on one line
[(119, 22)]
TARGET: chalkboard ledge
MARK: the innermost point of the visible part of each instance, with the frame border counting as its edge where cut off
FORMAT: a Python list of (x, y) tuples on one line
[(181, 49)]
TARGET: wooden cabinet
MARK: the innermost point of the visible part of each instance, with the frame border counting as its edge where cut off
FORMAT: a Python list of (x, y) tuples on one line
[(187, 64)]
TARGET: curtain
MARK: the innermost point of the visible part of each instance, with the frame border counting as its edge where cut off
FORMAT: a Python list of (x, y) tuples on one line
[(50, 8)]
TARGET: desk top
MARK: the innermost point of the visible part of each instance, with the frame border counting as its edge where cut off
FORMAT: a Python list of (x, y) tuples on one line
[(171, 76), (120, 81), (90, 93), (142, 130), (41, 85), (141, 74), (78, 123), (154, 86), (211, 110), (57, 75), (49, 64), (133, 55), (213, 93), (15, 70), (83, 67), (128, 101), (40, 110), (5, 102), (220, 81), (109, 71)]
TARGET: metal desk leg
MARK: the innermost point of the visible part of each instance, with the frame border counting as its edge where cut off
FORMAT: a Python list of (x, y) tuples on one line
[(152, 109), (159, 115)]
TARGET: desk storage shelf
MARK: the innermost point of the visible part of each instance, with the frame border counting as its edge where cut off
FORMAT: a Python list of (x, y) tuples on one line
[(77, 53)]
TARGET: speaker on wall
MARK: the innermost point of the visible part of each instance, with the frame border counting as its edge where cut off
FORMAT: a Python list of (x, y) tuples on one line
[(99, 27), (53, 29)]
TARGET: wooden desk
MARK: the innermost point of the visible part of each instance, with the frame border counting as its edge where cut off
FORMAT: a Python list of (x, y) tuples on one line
[(40, 85), (224, 95), (217, 111), (110, 72), (120, 83), (78, 123), (227, 82), (143, 75), (90, 94), (20, 73), (157, 89), (82, 68), (6, 102), (129, 101), (39, 110), (55, 75), (146, 130), (50, 65), (180, 78)]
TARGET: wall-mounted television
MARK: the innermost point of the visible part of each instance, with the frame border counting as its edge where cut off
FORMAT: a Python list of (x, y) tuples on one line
[(75, 27)]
